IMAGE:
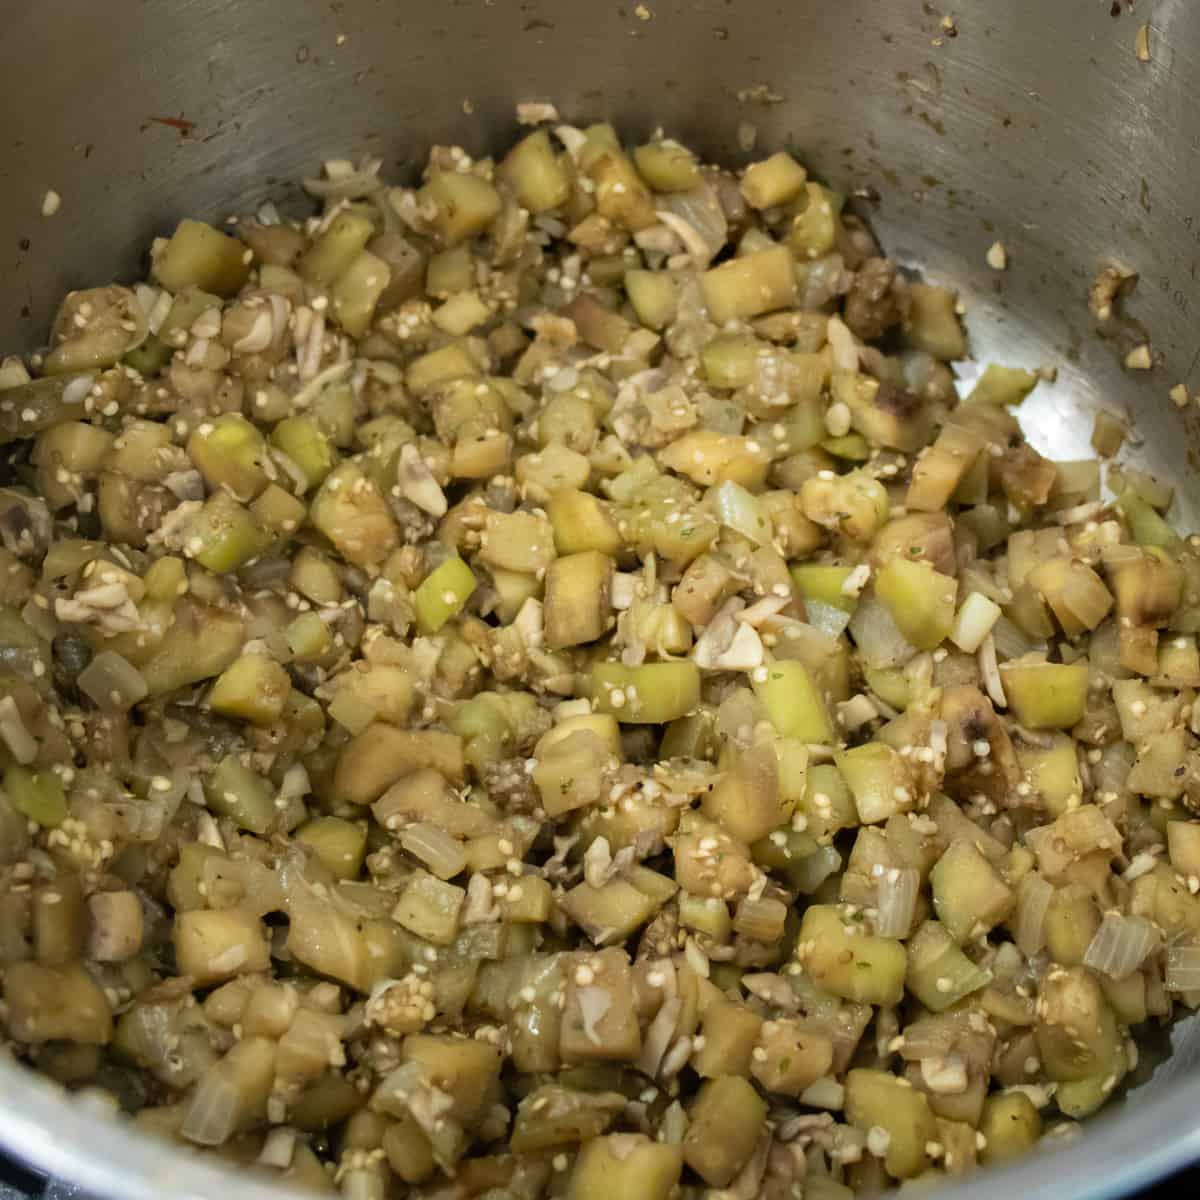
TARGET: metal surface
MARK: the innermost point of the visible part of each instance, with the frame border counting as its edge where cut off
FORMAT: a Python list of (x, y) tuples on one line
[(1036, 126)]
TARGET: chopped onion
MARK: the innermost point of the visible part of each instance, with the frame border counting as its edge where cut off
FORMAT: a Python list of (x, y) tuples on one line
[(261, 334), (742, 512), (77, 389), (698, 219), (594, 1002), (1111, 772), (728, 644), (660, 1031), (278, 1148), (945, 1076), (20, 742), (1033, 899), (822, 279), (417, 483), (346, 182), (826, 617), (974, 622), (441, 853), (842, 344), (877, 635), (1013, 642), (824, 1093), (112, 683), (896, 899), (737, 716), (812, 870), (213, 1112), (315, 386), (990, 670), (674, 1125), (1183, 969), (1120, 945)]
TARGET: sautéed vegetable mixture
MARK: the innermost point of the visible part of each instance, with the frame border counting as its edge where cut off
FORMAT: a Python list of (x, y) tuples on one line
[(536, 685)]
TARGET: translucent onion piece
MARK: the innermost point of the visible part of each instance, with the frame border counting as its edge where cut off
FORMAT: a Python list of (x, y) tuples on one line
[(112, 682), (1183, 969), (278, 1148), (877, 635), (812, 871), (1111, 772), (841, 342), (1012, 642), (700, 210), (674, 1124), (989, 668), (896, 899), (345, 182), (213, 1112), (1120, 945), (742, 512), (441, 853), (1033, 899), (20, 742), (826, 617), (824, 279)]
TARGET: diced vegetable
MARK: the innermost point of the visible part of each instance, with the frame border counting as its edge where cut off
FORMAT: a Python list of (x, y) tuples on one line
[(1046, 695), (443, 594), (651, 694), (197, 255), (845, 961)]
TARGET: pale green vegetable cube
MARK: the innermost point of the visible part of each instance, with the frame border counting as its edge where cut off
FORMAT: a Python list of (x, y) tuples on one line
[(301, 439), (430, 908), (357, 290), (933, 324), (577, 607), (969, 895), (1045, 695), (726, 1120), (654, 296), (939, 973), (877, 1099), (339, 845), (746, 287), (38, 795), (328, 258), (350, 511), (667, 166), (464, 205), (224, 536), (443, 594), (197, 255), (237, 792), (776, 180), (815, 226), (1011, 1126), (794, 703), (254, 688), (920, 599), (535, 174), (879, 779), (212, 946), (651, 694), (845, 961), (625, 1164)]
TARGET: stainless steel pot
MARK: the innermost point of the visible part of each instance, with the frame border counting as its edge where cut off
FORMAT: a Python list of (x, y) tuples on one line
[(1036, 125)]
